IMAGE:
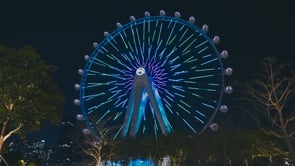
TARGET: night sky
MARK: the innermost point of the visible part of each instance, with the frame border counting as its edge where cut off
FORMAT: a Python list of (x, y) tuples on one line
[(63, 32)]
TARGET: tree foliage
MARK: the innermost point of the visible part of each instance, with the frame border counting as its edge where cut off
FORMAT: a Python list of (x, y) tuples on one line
[(28, 94)]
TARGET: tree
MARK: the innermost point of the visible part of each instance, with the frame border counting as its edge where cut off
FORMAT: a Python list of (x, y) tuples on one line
[(28, 94), (99, 142), (270, 102)]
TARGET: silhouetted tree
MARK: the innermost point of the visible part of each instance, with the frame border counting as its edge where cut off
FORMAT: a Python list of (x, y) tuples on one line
[(98, 143), (270, 101)]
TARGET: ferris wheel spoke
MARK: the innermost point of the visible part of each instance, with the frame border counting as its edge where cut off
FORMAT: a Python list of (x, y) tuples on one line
[(186, 50), (138, 38), (134, 40), (186, 40), (173, 60), (200, 116), (167, 56), (201, 77), (112, 44), (183, 108), (179, 88), (178, 94), (102, 117), (142, 50), (186, 104), (206, 70), (157, 49), (189, 125), (206, 56), (160, 34), (115, 93), (176, 80), (198, 119), (94, 108), (169, 108), (169, 40), (118, 132), (202, 50), (191, 59), (175, 67), (202, 89), (182, 36), (90, 97), (91, 84), (172, 40), (130, 47), (118, 115), (125, 56), (123, 40), (201, 44), (210, 61), (207, 105), (154, 33)]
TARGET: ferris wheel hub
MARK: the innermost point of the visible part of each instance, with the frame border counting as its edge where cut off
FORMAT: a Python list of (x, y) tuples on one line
[(140, 71)]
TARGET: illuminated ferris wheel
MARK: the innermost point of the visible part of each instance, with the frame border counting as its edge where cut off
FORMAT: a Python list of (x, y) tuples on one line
[(155, 74)]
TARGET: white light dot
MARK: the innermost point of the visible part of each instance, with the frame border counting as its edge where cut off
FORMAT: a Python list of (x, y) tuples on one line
[(105, 34), (95, 44), (77, 86), (214, 126), (205, 28), (79, 117), (228, 90), (86, 131), (162, 13), (86, 57), (132, 18), (192, 19), (228, 71), (80, 71), (224, 54), (147, 14), (118, 25), (223, 109), (76, 102), (177, 14), (216, 40)]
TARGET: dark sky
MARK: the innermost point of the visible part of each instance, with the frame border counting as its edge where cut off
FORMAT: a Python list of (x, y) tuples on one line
[(63, 32)]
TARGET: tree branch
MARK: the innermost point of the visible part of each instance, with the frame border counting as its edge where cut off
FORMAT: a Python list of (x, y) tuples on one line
[(288, 120), (292, 134), (13, 131)]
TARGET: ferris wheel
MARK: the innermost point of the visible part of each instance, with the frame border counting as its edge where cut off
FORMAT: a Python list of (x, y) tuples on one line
[(155, 74)]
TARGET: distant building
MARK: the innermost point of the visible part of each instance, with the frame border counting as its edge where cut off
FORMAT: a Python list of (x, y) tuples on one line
[(38, 151), (24, 151), (67, 151)]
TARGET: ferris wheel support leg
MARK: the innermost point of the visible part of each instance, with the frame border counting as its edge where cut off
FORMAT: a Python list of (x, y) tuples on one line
[(157, 104), (142, 91)]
